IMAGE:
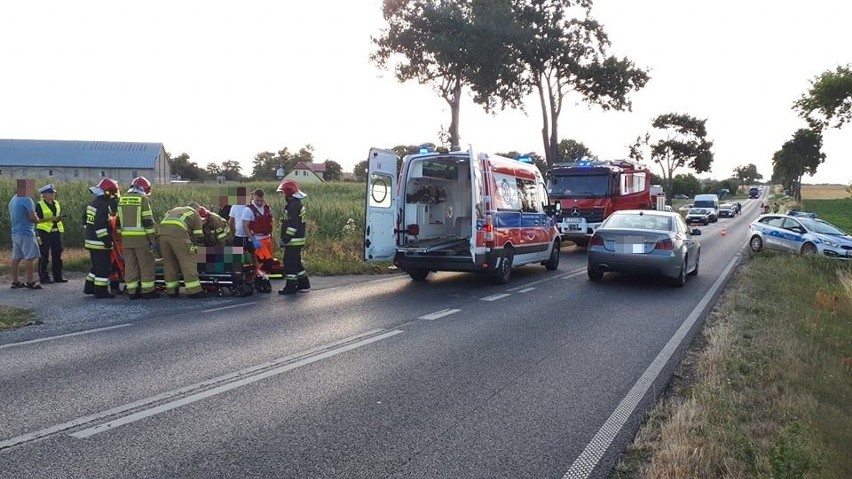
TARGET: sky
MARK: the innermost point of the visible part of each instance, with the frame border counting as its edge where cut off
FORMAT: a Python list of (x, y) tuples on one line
[(227, 80)]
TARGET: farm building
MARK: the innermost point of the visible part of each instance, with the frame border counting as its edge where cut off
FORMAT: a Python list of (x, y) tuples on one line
[(307, 172), (86, 161)]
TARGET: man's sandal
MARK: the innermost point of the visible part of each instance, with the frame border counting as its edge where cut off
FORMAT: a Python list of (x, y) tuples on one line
[(33, 285)]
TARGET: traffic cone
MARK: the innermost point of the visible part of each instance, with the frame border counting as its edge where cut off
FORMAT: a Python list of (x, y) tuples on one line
[(724, 231)]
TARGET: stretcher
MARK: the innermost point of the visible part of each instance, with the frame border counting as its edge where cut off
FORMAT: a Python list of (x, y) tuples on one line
[(228, 269)]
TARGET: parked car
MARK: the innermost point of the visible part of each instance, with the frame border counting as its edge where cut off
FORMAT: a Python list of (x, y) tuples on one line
[(681, 196), (644, 242), (699, 215), (798, 233), (727, 210), (685, 208)]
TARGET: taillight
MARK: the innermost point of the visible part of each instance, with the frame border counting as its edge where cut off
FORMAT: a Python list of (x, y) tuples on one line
[(665, 244), (596, 241), (488, 228), (413, 230)]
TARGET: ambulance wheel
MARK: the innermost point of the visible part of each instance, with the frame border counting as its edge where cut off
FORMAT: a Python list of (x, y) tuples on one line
[(262, 285), (553, 263), (504, 272), (418, 274)]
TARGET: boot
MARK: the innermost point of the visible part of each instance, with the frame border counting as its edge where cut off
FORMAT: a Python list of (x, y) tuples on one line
[(45, 279), (290, 288), (151, 295), (304, 283), (57, 278), (199, 295), (135, 294), (89, 287)]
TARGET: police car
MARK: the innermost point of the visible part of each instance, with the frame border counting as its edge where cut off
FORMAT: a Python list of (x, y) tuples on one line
[(799, 232)]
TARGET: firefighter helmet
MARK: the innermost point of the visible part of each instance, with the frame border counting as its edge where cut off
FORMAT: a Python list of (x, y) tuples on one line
[(142, 183), (288, 187), (106, 185), (203, 213)]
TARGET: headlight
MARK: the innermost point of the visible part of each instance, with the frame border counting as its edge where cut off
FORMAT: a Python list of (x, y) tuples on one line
[(833, 244)]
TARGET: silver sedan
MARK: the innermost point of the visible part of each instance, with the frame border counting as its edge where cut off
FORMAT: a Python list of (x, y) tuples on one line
[(650, 242)]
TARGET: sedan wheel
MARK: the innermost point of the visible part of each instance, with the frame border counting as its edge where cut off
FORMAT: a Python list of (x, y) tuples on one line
[(594, 274), (809, 249), (681, 278), (755, 243), (418, 274)]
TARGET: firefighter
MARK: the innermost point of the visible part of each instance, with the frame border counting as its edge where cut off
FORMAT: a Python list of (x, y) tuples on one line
[(215, 228), (138, 236), (50, 228), (180, 233), (293, 238), (99, 238)]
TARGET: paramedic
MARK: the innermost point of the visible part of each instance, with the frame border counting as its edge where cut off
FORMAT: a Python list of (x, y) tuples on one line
[(49, 228), (293, 238), (138, 236), (99, 238), (180, 232), (257, 223)]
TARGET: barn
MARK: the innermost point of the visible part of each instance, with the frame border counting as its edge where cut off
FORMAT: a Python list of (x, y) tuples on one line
[(86, 161)]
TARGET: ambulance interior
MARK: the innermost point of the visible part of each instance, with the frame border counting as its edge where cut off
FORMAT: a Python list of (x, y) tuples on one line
[(438, 210)]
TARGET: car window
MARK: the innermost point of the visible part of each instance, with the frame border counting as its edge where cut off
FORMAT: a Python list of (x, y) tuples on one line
[(790, 223), (773, 221), (823, 227), (681, 225)]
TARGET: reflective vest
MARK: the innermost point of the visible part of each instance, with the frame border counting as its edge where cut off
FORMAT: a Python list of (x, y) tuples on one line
[(46, 212), (293, 222), (182, 220), (98, 228), (262, 222), (136, 221)]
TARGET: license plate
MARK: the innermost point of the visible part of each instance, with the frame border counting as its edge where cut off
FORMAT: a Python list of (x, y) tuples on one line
[(573, 227), (572, 220)]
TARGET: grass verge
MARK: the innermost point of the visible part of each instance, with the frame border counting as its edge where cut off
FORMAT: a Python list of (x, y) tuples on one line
[(12, 317), (767, 392)]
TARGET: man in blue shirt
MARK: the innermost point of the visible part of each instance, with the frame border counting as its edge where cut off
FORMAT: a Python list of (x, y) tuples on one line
[(24, 244)]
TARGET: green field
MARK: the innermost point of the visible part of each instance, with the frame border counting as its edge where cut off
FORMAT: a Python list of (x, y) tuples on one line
[(836, 212)]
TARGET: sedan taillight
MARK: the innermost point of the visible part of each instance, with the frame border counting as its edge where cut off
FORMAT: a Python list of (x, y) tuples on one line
[(596, 241), (665, 244)]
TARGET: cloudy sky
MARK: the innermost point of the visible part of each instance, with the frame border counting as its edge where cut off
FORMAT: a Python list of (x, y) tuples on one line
[(226, 80)]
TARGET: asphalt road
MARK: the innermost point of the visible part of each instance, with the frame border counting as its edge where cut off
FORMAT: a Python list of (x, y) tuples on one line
[(548, 376)]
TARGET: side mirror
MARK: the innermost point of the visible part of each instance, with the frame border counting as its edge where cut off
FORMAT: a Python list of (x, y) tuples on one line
[(696, 232), (553, 210)]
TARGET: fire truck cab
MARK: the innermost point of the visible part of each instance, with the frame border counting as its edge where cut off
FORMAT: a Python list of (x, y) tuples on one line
[(458, 211), (591, 190)]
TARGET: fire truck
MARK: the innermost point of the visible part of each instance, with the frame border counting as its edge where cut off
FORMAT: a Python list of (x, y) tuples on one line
[(590, 190)]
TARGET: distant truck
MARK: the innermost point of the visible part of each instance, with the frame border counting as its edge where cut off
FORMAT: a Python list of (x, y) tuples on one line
[(753, 192)]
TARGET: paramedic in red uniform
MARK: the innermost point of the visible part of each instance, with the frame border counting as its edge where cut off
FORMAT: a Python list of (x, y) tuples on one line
[(293, 238)]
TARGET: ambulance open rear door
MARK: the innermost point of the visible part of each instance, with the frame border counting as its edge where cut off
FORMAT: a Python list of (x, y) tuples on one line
[(381, 205)]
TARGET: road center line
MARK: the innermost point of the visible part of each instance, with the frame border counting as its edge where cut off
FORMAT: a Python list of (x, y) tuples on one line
[(439, 314), (594, 451), (32, 436), (226, 387), (78, 333), (495, 297), (525, 290)]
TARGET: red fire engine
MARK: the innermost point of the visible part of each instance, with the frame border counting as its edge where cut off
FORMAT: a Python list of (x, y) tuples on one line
[(589, 191)]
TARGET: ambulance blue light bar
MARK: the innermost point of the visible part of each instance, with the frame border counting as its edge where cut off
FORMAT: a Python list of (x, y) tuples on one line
[(525, 159), (426, 149)]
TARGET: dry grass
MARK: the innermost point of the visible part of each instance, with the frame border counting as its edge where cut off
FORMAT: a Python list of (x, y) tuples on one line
[(825, 192), (768, 390)]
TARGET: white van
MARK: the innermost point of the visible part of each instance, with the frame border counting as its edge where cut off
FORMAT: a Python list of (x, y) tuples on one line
[(458, 211), (708, 201)]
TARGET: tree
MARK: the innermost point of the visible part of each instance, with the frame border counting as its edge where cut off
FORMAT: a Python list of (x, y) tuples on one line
[(333, 171), (572, 150), (231, 170), (747, 175), (687, 185), (798, 156), (185, 169), (435, 45), (556, 54), (829, 99), (265, 166), (681, 141)]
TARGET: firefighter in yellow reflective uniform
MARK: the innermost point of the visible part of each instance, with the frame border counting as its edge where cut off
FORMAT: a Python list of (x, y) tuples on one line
[(215, 228), (180, 233), (138, 236)]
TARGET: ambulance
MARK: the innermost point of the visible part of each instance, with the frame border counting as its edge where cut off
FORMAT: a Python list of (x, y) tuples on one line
[(458, 211)]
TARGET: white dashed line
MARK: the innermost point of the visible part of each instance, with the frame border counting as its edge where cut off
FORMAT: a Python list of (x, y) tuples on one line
[(495, 297), (439, 314), (525, 290)]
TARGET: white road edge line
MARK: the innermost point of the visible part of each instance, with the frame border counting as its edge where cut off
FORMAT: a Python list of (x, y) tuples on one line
[(594, 451), (225, 387), (439, 314), (495, 297), (31, 436), (78, 333)]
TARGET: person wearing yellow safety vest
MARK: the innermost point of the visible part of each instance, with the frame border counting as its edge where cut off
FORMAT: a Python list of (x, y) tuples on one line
[(215, 228), (180, 231), (138, 237), (99, 238), (49, 229)]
